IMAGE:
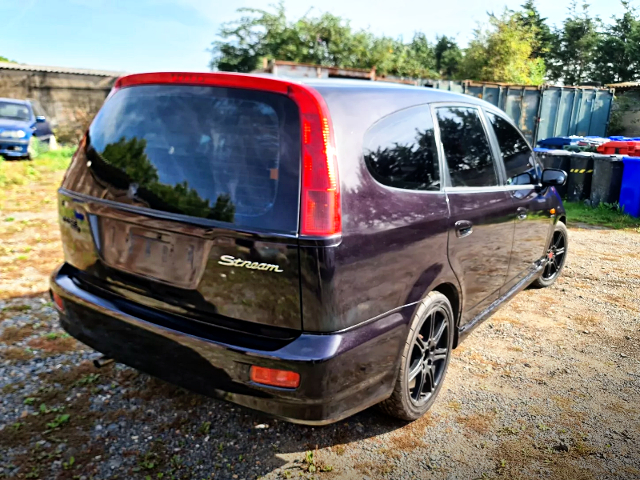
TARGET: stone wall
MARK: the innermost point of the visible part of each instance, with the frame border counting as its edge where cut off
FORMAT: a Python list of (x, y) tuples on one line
[(69, 99)]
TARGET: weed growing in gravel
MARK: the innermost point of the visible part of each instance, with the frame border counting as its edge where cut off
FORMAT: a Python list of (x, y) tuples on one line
[(59, 421), (88, 379), (309, 461), (177, 462), (204, 428), (34, 473), (69, 465)]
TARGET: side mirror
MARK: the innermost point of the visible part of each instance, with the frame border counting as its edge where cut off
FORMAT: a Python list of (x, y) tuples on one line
[(40, 119), (552, 177)]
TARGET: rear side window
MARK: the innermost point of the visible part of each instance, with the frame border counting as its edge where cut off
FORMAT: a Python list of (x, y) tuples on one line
[(400, 150), (466, 147), (223, 154), (518, 157)]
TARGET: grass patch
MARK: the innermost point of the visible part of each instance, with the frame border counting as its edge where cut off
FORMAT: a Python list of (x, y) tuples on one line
[(21, 172), (16, 354), (11, 335), (54, 344), (603, 215)]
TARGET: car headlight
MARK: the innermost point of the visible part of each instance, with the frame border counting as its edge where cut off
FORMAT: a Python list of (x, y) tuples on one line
[(13, 134)]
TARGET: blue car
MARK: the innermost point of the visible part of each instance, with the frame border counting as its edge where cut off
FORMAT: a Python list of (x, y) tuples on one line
[(18, 128)]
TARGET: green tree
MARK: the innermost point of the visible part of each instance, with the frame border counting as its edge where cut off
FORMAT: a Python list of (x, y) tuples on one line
[(129, 156), (618, 49), (322, 40), (504, 53), (575, 48), (448, 57), (415, 59), (530, 18)]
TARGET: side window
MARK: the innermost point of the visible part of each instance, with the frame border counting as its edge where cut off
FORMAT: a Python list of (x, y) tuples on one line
[(466, 147), (518, 157), (400, 150)]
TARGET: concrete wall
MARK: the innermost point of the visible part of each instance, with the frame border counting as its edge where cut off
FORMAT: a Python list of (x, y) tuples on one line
[(70, 100)]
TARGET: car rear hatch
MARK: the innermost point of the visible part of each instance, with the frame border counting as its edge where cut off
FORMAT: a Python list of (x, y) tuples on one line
[(184, 197)]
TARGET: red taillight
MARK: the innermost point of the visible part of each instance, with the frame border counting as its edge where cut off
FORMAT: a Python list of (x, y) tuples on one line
[(274, 377), (320, 196), (57, 299), (320, 202)]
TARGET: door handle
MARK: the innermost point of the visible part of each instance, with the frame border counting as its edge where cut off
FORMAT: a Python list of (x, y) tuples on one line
[(522, 213), (464, 228)]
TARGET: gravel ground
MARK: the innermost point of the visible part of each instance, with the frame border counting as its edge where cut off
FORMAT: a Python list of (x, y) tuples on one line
[(547, 388)]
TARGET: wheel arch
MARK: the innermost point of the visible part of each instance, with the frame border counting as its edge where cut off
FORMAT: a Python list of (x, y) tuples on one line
[(450, 291)]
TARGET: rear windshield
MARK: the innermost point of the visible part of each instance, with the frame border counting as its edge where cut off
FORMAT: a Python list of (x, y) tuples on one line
[(223, 154)]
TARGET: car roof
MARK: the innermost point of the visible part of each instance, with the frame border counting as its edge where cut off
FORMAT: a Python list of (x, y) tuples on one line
[(14, 100), (350, 86)]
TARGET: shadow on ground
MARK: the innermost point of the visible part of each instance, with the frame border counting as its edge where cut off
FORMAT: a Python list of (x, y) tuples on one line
[(64, 418)]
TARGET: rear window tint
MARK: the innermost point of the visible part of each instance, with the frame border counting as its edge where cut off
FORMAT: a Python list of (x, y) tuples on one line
[(400, 150), (223, 154)]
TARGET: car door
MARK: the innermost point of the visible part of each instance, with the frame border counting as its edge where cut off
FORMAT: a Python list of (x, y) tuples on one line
[(530, 204), (481, 221)]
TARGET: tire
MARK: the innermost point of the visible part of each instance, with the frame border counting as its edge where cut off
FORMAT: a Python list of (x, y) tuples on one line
[(552, 271), (408, 400)]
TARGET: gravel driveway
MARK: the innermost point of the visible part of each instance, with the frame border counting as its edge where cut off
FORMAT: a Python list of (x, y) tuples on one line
[(547, 388)]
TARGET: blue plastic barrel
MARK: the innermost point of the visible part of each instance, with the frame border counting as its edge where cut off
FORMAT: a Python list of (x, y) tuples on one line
[(630, 189)]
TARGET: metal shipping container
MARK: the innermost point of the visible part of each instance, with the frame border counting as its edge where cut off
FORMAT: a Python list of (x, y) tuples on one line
[(540, 111), (545, 111), (582, 111)]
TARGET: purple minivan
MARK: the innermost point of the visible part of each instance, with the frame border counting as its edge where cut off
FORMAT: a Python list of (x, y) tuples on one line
[(304, 248)]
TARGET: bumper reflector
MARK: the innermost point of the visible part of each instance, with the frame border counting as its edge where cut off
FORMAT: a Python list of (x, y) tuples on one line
[(58, 301), (275, 378)]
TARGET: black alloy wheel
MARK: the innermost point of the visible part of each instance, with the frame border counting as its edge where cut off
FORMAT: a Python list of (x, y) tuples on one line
[(425, 358), (428, 358), (556, 257)]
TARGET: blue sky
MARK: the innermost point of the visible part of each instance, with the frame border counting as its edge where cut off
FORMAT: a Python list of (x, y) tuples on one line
[(148, 35)]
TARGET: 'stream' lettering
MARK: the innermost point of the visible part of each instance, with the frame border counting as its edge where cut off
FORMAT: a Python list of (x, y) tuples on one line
[(229, 261)]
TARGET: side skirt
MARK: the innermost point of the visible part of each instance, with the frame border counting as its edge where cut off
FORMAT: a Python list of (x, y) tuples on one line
[(463, 332)]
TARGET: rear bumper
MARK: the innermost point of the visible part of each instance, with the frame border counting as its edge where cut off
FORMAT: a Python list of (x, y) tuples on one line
[(341, 373)]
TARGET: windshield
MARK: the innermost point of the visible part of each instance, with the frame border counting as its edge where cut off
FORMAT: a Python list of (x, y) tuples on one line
[(14, 111)]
